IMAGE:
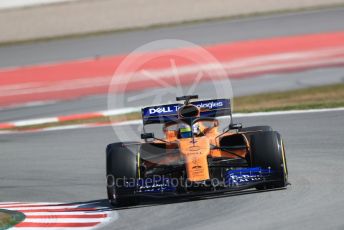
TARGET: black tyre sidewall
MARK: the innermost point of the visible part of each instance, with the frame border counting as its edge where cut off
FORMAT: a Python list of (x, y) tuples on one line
[(121, 166), (266, 152)]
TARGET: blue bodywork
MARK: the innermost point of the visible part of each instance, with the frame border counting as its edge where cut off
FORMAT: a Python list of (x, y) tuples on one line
[(153, 185), (232, 179), (245, 176), (169, 112)]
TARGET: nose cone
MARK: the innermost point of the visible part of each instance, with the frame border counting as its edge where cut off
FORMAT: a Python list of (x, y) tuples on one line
[(195, 153)]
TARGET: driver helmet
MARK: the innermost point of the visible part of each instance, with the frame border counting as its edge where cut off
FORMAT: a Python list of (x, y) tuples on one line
[(185, 131)]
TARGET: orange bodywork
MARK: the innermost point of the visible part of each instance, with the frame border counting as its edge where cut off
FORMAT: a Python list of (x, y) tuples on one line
[(205, 141), (196, 151)]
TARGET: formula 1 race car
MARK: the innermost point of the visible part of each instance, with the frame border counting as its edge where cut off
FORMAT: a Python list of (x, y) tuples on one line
[(193, 157)]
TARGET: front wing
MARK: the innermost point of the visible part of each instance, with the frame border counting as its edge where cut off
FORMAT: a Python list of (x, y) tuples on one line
[(233, 181)]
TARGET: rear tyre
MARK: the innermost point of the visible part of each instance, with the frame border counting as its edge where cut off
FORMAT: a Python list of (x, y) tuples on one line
[(267, 151), (121, 167)]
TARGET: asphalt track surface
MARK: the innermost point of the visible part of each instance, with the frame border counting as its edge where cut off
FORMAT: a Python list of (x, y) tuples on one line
[(200, 33), (69, 166)]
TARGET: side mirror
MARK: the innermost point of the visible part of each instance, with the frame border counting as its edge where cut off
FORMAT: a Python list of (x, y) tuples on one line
[(235, 126), (147, 135)]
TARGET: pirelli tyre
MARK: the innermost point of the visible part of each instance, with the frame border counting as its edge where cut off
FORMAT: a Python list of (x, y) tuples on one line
[(267, 151), (121, 169)]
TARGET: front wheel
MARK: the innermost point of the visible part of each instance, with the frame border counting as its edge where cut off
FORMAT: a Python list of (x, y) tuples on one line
[(121, 169), (267, 151)]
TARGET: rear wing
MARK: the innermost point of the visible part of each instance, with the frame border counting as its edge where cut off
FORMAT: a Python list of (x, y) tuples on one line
[(166, 113)]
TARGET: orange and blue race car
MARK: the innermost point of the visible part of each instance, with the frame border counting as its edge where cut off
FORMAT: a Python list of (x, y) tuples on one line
[(193, 157)]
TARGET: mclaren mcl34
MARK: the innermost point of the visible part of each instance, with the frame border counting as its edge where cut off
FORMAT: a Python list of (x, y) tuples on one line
[(194, 156)]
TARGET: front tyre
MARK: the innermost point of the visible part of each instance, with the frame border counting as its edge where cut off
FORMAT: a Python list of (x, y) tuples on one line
[(121, 169), (267, 151)]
